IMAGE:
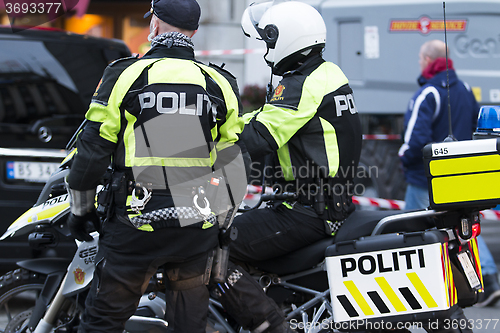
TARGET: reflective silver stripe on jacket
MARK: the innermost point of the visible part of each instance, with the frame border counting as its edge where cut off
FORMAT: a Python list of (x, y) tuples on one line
[(81, 202)]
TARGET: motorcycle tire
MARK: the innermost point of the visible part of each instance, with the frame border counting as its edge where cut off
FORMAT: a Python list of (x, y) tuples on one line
[(19, 290)]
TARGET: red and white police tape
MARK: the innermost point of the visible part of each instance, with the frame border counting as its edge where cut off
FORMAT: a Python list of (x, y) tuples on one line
[(201, 53), (381, 137), (488, 214), (377, 202)]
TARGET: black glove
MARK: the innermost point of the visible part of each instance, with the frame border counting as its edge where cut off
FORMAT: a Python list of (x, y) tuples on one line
[(81, 226)]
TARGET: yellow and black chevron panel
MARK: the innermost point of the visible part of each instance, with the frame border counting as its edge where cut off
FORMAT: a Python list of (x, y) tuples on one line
[(394, 297), (347, 305), (408, 295), (379, 302), (389, 283)]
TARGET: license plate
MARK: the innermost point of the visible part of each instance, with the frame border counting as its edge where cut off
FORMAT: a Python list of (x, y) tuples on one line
[(469, 270), (38, 172)]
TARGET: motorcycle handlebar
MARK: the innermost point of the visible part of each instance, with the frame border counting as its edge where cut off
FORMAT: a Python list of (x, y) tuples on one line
[(281, 196), (270, 197)]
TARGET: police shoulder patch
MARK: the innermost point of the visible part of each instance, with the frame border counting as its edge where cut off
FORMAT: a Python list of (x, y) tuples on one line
[(278, 92)]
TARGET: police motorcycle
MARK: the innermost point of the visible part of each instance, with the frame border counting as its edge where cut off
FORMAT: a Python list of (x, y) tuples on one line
[(383, 270), (353, 284), (397, 271)]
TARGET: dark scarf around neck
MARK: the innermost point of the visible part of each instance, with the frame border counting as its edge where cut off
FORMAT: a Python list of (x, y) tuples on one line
[(173, 38)]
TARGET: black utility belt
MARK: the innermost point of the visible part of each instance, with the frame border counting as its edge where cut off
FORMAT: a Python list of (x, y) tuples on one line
[(305, 190), (330, 199), (176, 217)]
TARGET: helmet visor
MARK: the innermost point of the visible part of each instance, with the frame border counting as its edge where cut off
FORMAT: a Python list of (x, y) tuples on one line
[(251, 17)]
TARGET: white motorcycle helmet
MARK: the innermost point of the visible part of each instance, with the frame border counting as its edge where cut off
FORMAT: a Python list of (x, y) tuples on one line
[(291, 29)]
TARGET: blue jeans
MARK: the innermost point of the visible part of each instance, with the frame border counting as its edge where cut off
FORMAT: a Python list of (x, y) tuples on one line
[(488, 265), (418, 198)]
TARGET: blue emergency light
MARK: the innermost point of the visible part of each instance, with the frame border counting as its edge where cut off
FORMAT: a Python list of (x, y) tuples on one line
[(488, 120)]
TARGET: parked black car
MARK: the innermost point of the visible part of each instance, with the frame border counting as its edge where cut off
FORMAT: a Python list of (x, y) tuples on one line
[(47, 78)]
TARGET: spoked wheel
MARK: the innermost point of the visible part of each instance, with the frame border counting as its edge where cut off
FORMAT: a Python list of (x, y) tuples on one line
[(19, 290), (65, 323)]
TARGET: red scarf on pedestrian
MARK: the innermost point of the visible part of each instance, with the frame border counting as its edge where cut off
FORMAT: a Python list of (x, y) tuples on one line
[(436, 66)]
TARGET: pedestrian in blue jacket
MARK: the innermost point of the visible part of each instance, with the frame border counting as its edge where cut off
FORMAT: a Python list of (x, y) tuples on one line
[(426, 121)]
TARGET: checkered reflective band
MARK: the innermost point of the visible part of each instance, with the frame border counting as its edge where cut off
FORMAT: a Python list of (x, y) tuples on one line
[(333, 227), (179, 213), (234, 277)]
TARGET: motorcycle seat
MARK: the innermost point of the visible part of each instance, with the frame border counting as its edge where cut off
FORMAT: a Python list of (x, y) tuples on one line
[(359, 223), (297, 261), (362, 222)]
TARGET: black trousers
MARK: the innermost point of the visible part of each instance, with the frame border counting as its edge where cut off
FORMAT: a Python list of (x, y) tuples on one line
[(126, 261), (275, 231), (264, 234)]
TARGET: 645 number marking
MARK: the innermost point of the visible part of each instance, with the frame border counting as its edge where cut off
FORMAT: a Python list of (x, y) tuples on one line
[(440, 151)]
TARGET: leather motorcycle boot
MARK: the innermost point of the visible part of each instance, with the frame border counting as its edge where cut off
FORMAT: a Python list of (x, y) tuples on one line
[(247, 303), (491, 293)]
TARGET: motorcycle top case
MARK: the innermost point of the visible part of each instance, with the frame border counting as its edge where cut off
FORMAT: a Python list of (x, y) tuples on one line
[(391, 278), (463, 174)]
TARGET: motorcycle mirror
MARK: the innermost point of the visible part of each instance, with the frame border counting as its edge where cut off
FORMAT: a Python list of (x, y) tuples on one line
[(72, 141)]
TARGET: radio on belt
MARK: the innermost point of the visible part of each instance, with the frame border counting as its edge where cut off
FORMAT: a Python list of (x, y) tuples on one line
[(392, 277)]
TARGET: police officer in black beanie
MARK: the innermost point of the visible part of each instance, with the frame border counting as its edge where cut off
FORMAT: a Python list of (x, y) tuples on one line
[(160, 120)]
